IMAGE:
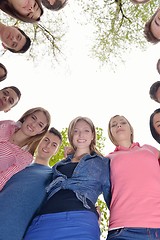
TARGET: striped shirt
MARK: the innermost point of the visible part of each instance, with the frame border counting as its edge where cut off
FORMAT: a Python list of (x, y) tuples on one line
[(12, 157)]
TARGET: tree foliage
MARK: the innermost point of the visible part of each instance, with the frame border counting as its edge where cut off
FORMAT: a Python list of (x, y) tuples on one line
[(115, 28), (118, 26)]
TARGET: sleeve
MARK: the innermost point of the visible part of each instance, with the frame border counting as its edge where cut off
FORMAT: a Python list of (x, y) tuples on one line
[(7, 128), (6, 175), (107, 183), (154, 150)]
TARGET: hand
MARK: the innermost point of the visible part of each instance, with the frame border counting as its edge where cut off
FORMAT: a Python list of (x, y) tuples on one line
[(99, 213), (68, 150)]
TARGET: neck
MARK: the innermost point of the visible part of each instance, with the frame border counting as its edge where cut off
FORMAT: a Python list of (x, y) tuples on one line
[(126, 144), (41, 161), (18, 138)]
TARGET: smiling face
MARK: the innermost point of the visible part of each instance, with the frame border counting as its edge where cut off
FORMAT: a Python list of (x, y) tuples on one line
[(82, 135), (34, 124), (120, 130), (12, 38), (28, 8), (48, 146), (155, 25), (8, 98)]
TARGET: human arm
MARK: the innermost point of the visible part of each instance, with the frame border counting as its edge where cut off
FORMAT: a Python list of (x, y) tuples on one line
[(107, 183), (13, 169)]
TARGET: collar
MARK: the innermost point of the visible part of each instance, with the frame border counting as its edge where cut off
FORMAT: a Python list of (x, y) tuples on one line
[(120, 148)]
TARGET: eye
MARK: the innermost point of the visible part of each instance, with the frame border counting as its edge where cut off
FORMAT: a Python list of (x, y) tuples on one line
[(41, 125), (5, 93), (33, 117), (86, 130), (19, 37), (14, 45), (114, 125), (11, 100), (54, 145), (123, 123)]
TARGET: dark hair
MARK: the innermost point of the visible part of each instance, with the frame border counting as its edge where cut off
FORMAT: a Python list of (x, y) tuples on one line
[(58, 4), (147, 31), (154, 133), (17, 91), (26, 45), (55, 132), (5, 72), (136, 2), (153, 89), (6, 7)]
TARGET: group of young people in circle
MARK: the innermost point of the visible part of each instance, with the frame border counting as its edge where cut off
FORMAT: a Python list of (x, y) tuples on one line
[(39, 202)]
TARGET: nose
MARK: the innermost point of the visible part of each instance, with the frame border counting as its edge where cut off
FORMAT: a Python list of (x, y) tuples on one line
[(31, 8), (119, 125), (6, 98)]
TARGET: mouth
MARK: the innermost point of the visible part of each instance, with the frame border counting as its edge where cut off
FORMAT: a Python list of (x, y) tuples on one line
[(30, 129), (44, 150), (81, 141), (119, 130)]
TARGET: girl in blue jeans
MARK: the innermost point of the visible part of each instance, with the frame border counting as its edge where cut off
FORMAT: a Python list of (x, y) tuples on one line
[(69, 212)]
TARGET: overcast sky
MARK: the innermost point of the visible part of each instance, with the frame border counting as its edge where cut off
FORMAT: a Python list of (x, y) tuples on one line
[(81, 87)]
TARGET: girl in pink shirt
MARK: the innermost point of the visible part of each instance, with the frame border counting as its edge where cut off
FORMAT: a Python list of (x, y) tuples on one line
[(135, 178), (18, 141)]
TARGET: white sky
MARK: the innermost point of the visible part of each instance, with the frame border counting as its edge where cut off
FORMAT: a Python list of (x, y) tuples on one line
[(82, 88)]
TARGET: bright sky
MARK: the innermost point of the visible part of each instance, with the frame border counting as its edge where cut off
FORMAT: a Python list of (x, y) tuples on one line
[(81, 87)]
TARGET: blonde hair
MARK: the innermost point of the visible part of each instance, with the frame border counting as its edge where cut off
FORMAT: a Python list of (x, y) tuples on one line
[(71, 133), (110, 134), (32, 142)]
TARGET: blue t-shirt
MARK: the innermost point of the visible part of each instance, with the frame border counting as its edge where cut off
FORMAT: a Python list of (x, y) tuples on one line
[(21, 197)]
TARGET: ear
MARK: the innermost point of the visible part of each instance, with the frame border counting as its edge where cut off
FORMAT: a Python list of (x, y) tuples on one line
[(7, 110), (4, 46)]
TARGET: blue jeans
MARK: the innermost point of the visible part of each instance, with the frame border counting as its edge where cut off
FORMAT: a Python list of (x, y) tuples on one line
[(134, 234), (73, 225)]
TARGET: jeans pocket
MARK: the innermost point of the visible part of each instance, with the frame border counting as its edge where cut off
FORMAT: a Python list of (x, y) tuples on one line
[(114, 233)]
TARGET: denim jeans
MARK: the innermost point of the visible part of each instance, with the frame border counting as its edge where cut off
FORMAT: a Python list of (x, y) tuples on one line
[(134, 234), (73, 225)]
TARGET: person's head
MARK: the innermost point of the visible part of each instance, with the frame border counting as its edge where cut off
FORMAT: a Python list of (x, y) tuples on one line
[(48, 146), (54, 5), (154, 91), (152, 28), (119, 130), (3, 72), (82, 135), (9, 97), (14, 39), (34, 124), (139, 1), (155, 125), (158, 66), (26, 11)]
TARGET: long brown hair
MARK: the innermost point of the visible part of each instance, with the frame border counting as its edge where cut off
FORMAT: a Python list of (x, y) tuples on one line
[(32, 142), (8, 8), (71, 128)]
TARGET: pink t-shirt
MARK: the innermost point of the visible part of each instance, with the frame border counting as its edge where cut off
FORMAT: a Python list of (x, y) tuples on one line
[(12, 158), (135, 178)]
